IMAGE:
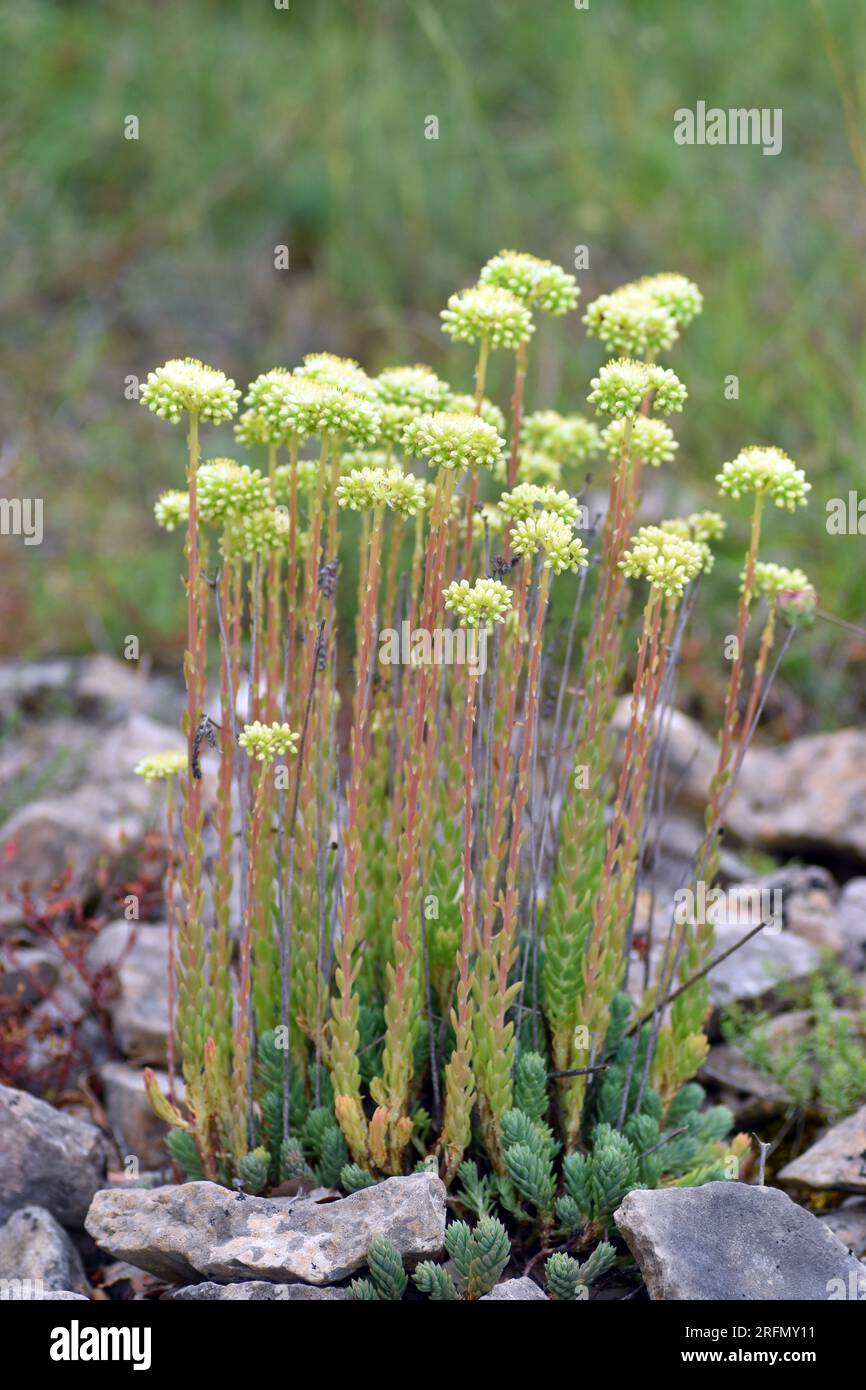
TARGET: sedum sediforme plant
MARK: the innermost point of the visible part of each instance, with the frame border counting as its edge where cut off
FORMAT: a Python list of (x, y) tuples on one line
[(412, 943)]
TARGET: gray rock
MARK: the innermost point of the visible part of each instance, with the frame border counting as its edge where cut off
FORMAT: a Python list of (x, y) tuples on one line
[(515, 1291), (33, 1247), (852, 922), (201, 1230), (27, 977), (139, 1005), (255, 1291), (848, 1222), (47, 1158), (805, 795), (138, 1132), (93, 812), (728, 1242), (835, 1162), (763, 963)]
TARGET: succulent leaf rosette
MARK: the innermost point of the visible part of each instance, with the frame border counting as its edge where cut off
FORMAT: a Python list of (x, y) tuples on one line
[(622, 385), (265, 742), (550, 534), (480, 604), (652, 441), (185, 384), (666, 560), (768, 472), (454, 441), (533, 281), (487, 314)]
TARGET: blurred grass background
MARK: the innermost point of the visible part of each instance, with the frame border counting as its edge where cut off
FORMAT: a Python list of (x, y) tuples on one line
[(261, 126)]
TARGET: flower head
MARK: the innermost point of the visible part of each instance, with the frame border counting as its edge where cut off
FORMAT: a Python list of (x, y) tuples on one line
[(226, 488), (187, 384), (252, 533), (354, 418), (532, 281), (570, 439), (701, 528), (479, 604), (632, 322), (159, 767), (406, 494), (307, 472), (454, 441), (465, 405), (622, 385), (284, 408), (363, 489), (527, 498), (681, 297), (549, 533), (417, 387), (771, 580), (172, 509), (768, 472), (264, 742), (798, 606), (393, 420), (342, 372), (652, 441), (485, 312), (667, 560), (533, 467)]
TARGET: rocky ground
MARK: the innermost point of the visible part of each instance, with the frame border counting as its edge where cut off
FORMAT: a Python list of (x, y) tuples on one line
[(87, 1204)]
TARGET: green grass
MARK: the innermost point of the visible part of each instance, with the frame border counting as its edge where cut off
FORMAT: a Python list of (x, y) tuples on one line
[(306, 127)]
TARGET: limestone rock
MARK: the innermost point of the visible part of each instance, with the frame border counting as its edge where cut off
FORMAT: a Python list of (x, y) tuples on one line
[(515, 1291), (48, 1158), (836, 1161), (34, 1248), (728, 1242), (200, 1230)]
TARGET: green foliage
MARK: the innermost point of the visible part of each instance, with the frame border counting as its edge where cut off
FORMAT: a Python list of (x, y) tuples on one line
[(476, 1190), (568, 1280), (386, 1268), (822, 1064), (292, 1161), (353, 1178), (182, 1147), (479, 1254), (253, 1170), (436, 1282), (363, 1291), (530, 1086)]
